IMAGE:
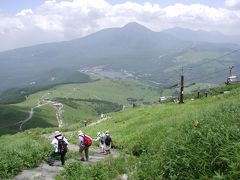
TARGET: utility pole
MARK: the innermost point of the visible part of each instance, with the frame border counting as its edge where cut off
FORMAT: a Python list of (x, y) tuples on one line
[(198, 94), (230, 70), (181, 88)]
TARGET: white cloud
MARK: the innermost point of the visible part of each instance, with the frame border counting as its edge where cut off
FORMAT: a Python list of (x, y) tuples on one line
[(63, 20), (25, 12), (233, 3)]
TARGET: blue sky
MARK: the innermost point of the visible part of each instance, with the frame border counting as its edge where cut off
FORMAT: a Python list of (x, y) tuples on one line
[(14, 6)]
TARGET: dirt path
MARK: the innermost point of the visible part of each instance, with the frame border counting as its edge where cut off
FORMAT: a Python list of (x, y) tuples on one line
[(57, 106), (59, 111), (46, 172), (27, 119), (99, 121)]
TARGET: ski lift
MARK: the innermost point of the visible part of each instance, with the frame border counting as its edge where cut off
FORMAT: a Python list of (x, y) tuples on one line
[(232, 80)]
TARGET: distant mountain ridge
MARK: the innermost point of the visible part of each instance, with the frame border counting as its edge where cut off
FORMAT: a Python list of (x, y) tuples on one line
[(148, 55), (201, 36)]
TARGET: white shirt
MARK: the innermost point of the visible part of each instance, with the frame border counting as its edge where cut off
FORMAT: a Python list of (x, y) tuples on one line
[(55, 142)]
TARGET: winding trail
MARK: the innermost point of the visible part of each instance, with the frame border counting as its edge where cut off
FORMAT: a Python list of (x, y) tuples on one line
[(57, 106), (99, 121), (27, 119)]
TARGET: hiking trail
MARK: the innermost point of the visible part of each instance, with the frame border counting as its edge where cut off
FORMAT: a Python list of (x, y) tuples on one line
[(57, 106), (46, 172)]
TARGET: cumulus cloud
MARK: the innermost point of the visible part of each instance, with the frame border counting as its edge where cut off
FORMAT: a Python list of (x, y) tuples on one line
[(233, 3), (69, 19), (25, 12)]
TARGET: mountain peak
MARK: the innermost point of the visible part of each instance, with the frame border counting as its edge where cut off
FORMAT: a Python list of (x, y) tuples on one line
[(135, 26)]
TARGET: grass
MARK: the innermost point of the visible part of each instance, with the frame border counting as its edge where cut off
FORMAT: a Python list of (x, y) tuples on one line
[(42, 118), (103, 92), (168, 145), (108, 90), (62, 76), (156, 142), (11, 115), (23, 150)]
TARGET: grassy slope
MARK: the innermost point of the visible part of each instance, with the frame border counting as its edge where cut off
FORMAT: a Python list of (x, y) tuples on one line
[(21, 151), (193, 57), (10, 115), (198, 86), (160, 140), (168, 145), (42, 118), (115, 91)]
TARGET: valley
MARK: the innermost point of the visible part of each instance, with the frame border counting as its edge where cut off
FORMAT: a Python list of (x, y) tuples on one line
[(74, 103), (132, 51)]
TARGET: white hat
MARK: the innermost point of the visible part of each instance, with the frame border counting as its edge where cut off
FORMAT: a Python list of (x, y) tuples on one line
[(98, 134), (80, 133), (57, 133), (107, 132)]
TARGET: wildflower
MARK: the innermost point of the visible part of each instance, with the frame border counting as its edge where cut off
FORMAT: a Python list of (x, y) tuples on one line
[(196, 123)]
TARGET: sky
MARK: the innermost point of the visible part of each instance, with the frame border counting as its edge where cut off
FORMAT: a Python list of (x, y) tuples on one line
[(30, 22)]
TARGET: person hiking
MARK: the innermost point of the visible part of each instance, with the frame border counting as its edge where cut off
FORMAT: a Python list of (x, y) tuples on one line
[(84, 142), (107, 143), (100, 138), (59, 144), (85, 123)]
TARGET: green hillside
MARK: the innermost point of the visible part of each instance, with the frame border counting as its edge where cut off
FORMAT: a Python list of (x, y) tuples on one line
[(59, 76), (109, 90), (155, 142), (162, 142), (11, 117), (84, 101)]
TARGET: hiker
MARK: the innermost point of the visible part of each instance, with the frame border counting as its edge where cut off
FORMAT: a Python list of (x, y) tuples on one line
[(100, 138), (107, 143), (85, 123), (84, 142), (59, 144)]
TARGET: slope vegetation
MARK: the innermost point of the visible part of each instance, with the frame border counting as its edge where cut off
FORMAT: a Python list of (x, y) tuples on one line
[(84, 101), (196, 140)]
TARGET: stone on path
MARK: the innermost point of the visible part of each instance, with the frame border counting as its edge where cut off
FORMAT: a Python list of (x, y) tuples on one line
[(44, 171)]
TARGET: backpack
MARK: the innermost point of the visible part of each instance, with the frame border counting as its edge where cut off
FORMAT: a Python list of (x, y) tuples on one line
[(102, 140), (87, 141), (108, 140), (62, 146)]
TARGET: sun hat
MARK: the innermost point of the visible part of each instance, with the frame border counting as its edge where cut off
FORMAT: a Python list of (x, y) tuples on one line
[(107, 132), (98, 133), (57, 133), (80, 133)]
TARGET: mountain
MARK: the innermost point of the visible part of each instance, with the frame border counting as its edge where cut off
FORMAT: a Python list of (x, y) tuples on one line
[(201, 36), (145, 54)]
